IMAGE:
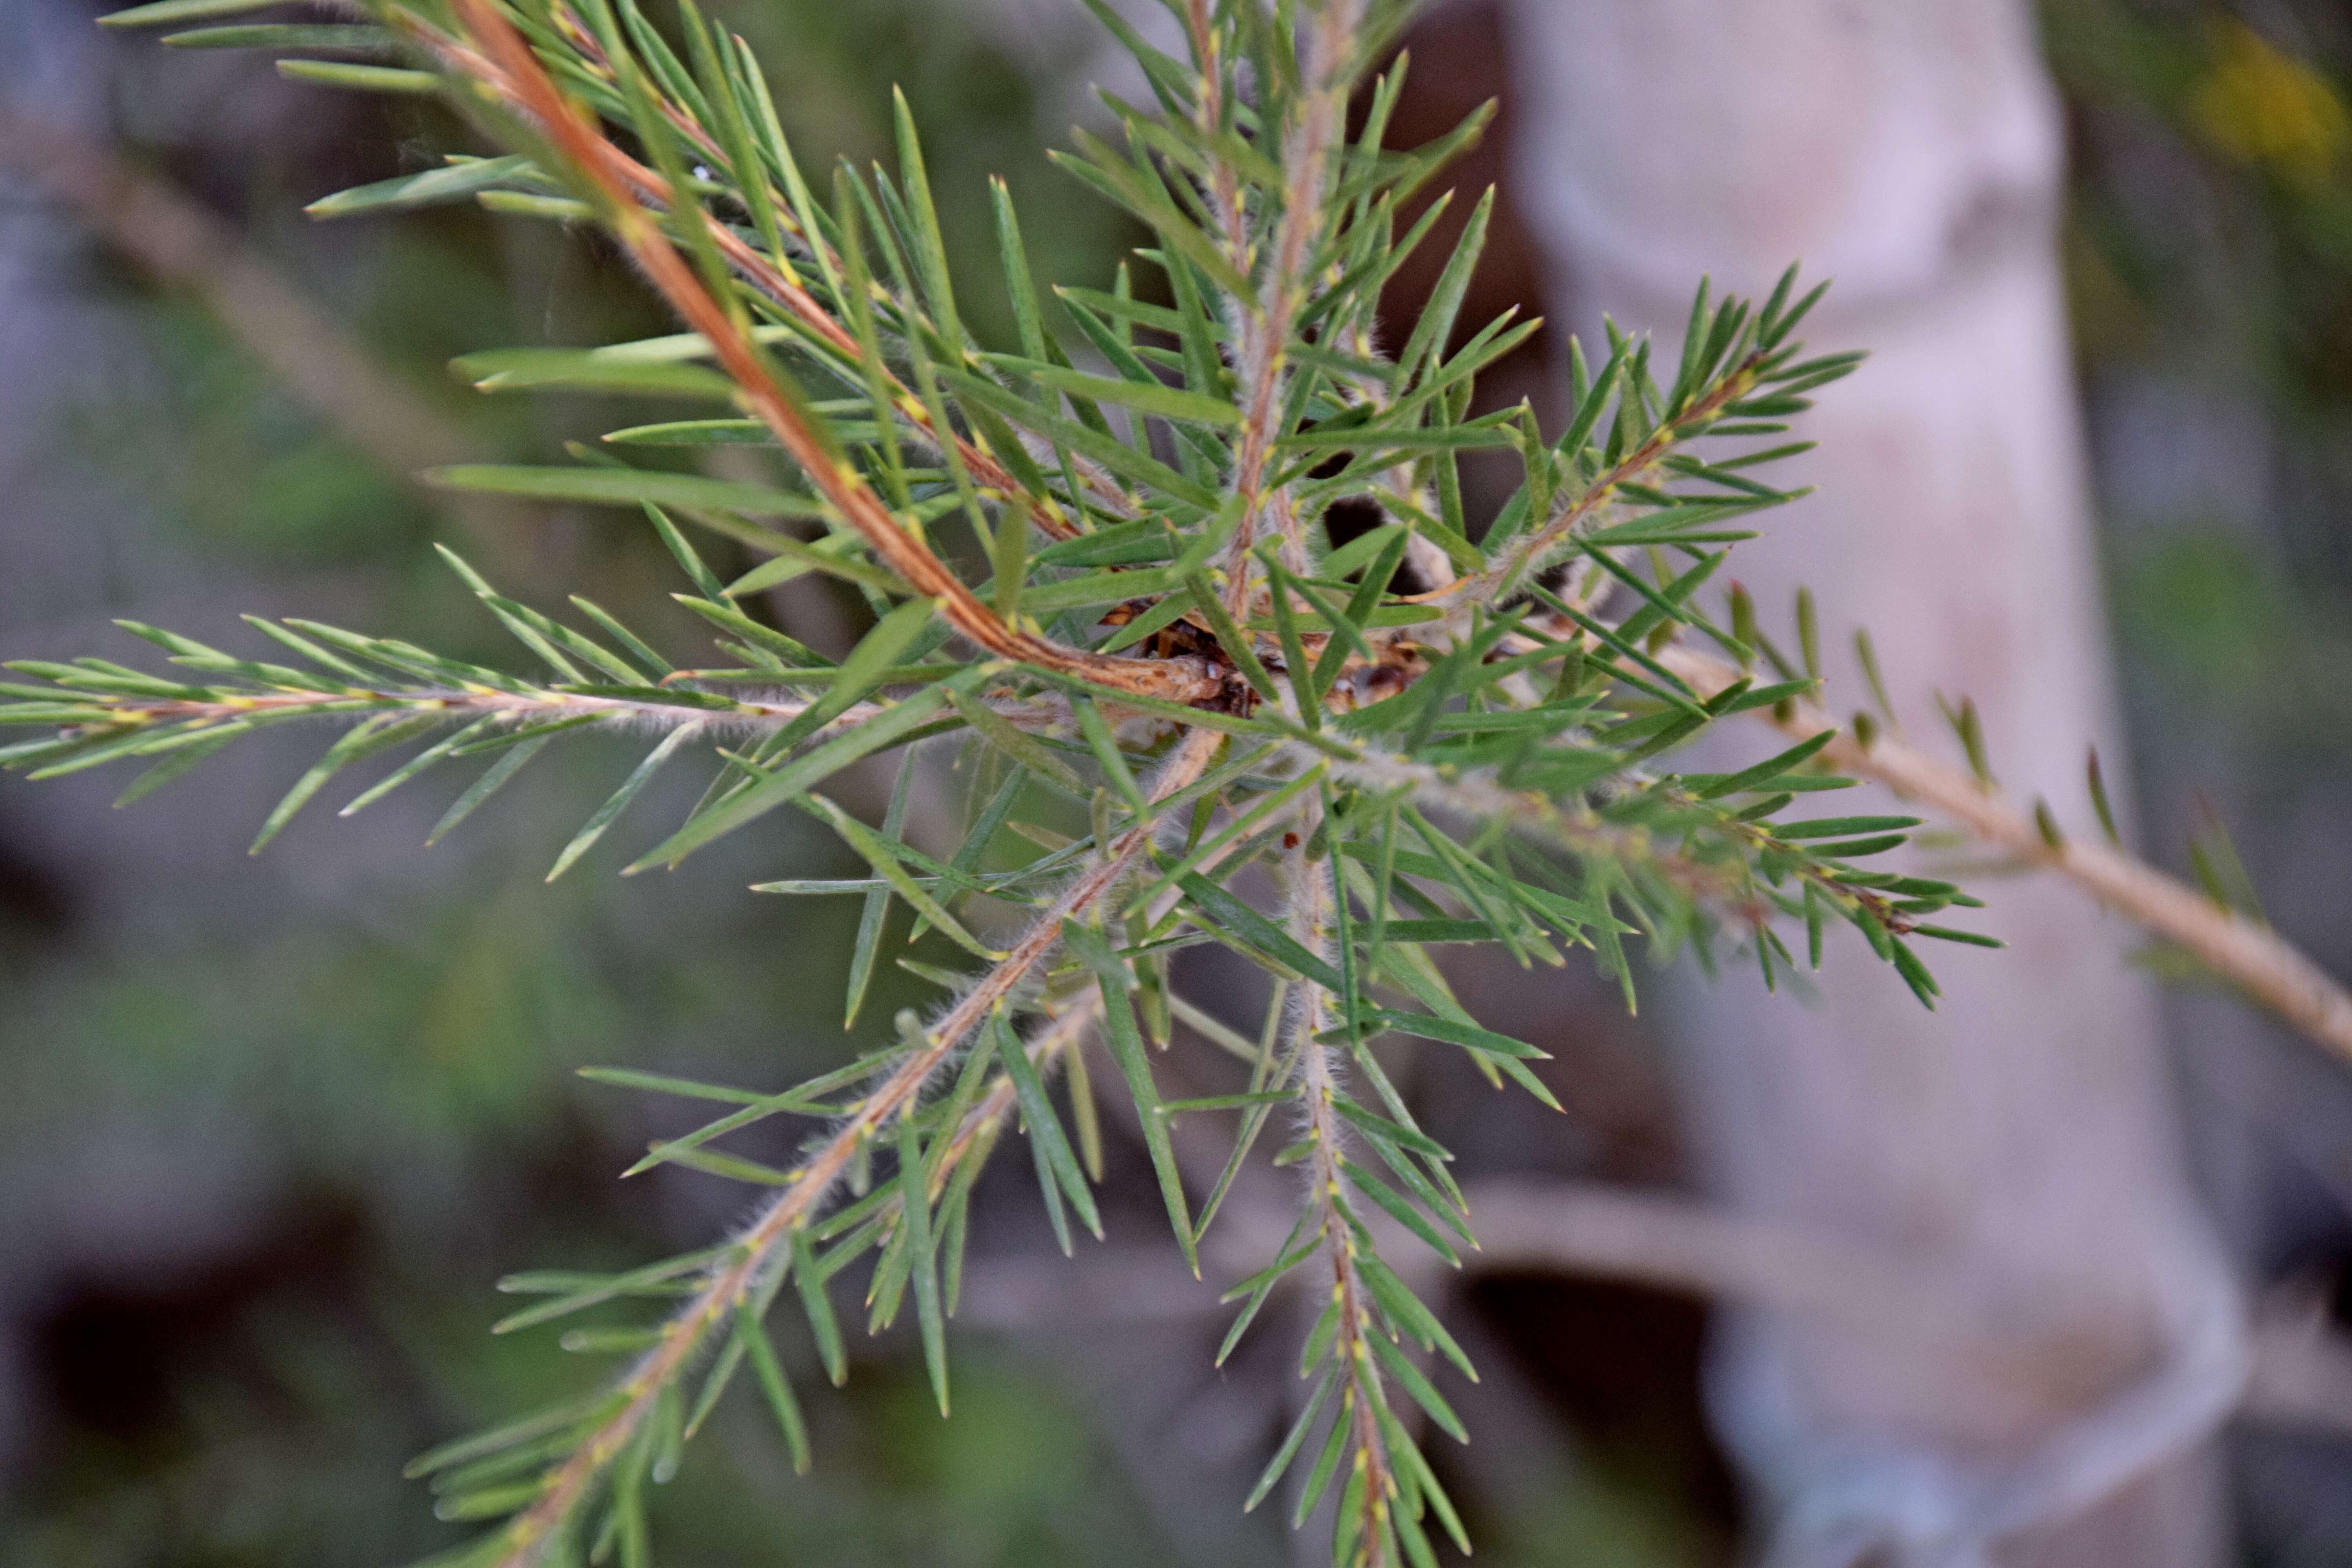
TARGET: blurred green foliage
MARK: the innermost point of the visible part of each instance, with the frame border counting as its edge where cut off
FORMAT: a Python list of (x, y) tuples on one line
[(2210, 263), (2209, 250)]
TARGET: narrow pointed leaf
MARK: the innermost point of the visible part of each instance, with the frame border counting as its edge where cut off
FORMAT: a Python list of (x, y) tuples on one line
[(607, 813), (374, 735), (482, 788), (915, 1211)]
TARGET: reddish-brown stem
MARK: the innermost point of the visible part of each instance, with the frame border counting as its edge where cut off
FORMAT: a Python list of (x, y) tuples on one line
[(762, 273), (576, 138)]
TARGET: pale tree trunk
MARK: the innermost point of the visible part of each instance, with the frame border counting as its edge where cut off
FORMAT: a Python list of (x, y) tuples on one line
[(2019, 1144)]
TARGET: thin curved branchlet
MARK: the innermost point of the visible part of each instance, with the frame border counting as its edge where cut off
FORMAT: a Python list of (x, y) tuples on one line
[(765, 394), (772, 275), (209, 712), (769, 272), (1501, 578), (1206, 41), (2234, 944), (1167, 645)]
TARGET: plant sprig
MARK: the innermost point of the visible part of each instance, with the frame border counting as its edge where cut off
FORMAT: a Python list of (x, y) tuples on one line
[(1167, 636)]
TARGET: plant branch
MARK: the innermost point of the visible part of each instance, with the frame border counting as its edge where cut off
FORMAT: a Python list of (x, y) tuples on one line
[(576, 138), (1477, 795), (1310, 926), (686, 1337), (2248, 954), (540, 704), (760, 272), (1209, 112), (1496, 581), (105, 710)]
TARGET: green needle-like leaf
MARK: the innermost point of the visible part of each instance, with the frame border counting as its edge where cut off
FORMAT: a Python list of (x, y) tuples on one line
[(916, 1210), (374, 735), (1277, 1467), (482, 788), (777, 1387), (607, 813), (626, 486), (823, 1325), (1126, 1043), (1045, 1128)]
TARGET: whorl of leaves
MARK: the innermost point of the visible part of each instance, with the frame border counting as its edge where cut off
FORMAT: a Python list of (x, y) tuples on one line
[(1423, 736)]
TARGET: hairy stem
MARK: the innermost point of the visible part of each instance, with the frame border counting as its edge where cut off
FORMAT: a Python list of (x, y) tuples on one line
[(459, 704), (1208, 113), (538, 706), (1310, 925), (1266, 321), (690, 1332)]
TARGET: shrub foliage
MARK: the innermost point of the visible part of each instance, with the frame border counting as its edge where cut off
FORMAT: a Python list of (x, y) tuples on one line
[(1197, 571)]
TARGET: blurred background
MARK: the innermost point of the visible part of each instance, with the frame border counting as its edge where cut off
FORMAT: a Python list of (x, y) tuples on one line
[(269, 1128)]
